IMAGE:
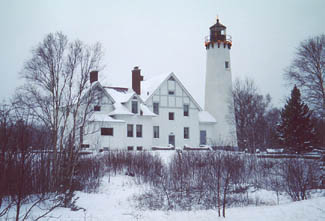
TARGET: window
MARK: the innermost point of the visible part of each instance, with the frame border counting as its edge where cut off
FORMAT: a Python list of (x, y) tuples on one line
[(106, 131), (186, 132), (155, 131), (203, 137), (171, 79), (96, 108), (135, 107), (84, 146), (130, 130), (170, 92), (227, 64), (186, 110), (139, 130), (171, 116), (139, 148), (156, 108), (130, 147)]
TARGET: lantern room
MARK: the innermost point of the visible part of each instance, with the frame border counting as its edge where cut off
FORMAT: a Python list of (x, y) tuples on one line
[(217, 32), (218, 36)]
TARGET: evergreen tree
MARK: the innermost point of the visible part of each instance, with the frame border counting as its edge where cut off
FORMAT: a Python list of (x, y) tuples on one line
[(296, 130)]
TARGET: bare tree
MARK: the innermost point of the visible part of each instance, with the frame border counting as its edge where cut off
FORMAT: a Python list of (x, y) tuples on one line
[(6, 131), (299, 176), (307, 71), (250, 108), (58, 93)]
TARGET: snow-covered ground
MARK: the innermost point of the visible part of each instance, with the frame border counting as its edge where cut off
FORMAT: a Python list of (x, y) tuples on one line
[(115, 202)]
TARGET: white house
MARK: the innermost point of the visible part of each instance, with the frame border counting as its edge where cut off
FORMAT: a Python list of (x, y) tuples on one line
[(160, 111)]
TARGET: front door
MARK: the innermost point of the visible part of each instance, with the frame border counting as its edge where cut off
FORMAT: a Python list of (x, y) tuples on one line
[(203, 137), (171, 140)]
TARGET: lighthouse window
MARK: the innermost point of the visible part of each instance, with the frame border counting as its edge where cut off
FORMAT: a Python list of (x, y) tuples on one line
[(227, 64)]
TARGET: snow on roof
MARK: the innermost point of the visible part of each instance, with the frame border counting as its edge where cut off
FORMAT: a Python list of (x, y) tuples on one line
[(206, 117), (120, 109), (120, 95), (146, 111), (103, 117), (149, 86)]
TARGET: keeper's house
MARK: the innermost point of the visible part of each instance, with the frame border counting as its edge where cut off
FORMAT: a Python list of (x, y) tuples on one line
[(158, 112)]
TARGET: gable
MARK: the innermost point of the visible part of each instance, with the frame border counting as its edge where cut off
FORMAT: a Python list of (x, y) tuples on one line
[(101, 95), (171, 93)]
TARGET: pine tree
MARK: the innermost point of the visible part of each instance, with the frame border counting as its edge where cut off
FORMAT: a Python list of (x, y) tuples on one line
[(296, 131)]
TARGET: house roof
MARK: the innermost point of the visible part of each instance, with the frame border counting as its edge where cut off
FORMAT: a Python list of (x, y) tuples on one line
[(206, 117), (101, 117), (150, 86), (120, 109), (120, 95), (146, 111)]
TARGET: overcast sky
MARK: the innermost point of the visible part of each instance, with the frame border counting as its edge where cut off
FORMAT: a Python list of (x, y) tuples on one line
[(164, 36)]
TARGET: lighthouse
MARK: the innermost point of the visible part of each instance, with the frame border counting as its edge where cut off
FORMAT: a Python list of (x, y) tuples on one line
[(218, 85)]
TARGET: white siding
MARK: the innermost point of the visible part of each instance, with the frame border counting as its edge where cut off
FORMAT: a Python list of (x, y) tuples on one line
[(174, 103)]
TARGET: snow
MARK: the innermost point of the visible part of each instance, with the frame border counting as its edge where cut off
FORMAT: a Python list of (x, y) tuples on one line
[(274, 150), (120, 109), (115, 200), (149, 86), (206, 117), (165, 155), (146, 111), (101, 117), (120, 96)]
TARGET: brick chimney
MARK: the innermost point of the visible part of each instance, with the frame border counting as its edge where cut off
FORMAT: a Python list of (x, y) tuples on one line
[(136, 80), (93, 76)]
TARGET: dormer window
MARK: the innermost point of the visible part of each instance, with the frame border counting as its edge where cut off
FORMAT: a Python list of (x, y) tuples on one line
[(135, 107)]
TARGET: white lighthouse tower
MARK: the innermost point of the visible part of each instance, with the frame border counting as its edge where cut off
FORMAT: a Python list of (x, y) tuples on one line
[(218, 85)]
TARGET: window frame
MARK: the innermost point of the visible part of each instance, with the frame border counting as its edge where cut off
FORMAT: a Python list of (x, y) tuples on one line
[(186, 113), (136, 105), (186, 133), (127, 130), (153, 107), (156, 132), (107, 131), (138, 130), (171, 115), (227, 64)]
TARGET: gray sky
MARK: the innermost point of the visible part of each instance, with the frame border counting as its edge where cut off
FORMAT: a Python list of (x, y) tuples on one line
[(164, 36)]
